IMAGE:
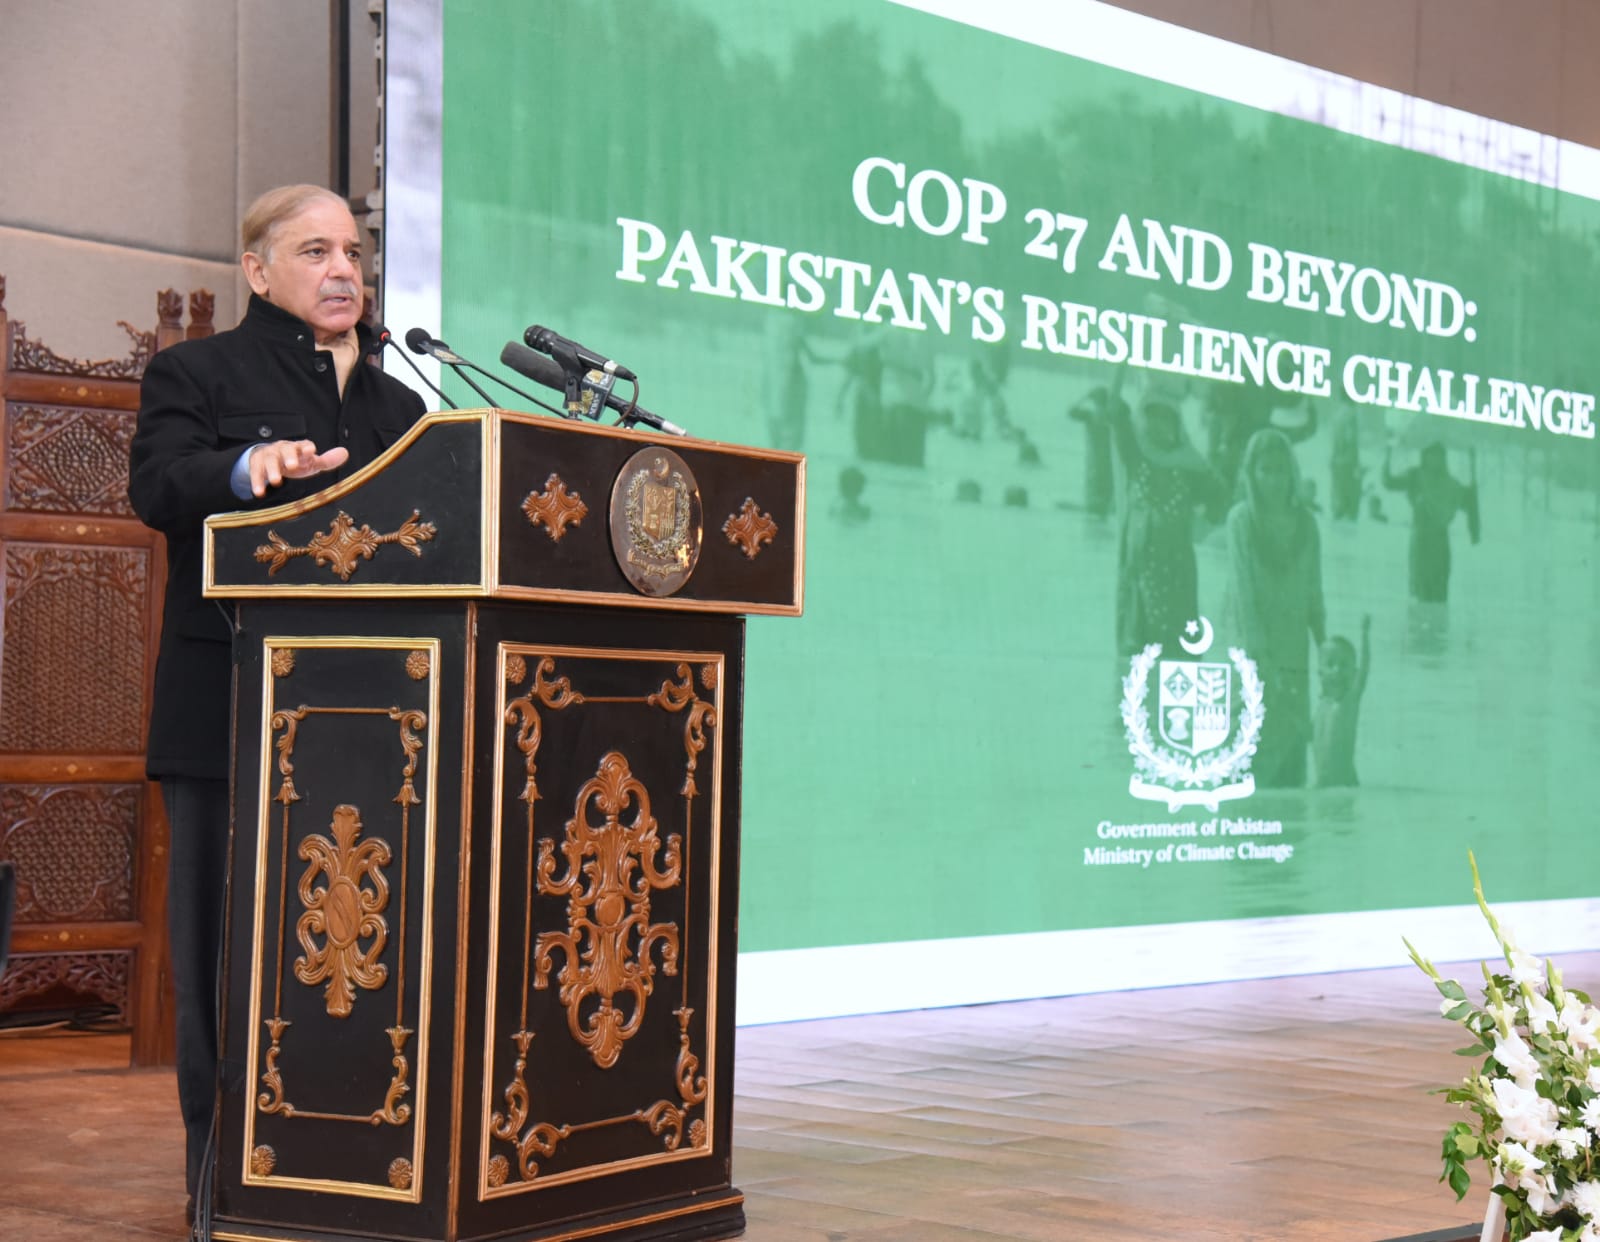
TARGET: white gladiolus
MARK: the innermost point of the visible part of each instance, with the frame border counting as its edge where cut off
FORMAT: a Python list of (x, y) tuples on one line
[(1542, 1196), (1527, 971), (1541, 1013), (1570, 1140), (1517, 1058), (1518, 1166), (1526, 1118), (1581, 1024), (1590, 1113)]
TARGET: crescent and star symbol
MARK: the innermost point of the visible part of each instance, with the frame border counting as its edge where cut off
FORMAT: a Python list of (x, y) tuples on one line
[(1202, 627)]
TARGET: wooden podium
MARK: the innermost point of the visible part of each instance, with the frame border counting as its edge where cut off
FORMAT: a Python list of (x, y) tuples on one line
[(479, 979)]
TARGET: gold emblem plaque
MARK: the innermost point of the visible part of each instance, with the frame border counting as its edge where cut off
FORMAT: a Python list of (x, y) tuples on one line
[(656, 521)]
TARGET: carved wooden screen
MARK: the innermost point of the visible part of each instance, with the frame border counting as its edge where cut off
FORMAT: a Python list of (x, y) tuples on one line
[(80, 610)]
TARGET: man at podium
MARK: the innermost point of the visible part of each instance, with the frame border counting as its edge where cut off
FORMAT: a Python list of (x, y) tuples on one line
[(268, 412)]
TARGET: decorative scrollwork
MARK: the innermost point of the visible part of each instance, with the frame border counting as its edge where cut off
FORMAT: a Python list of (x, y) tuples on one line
[(555, 508), (556, 693), (395, 1111), (343, 912), (665, 1118), (271, 1100), (345, 545), (289, 722), (38, 359), (505, 1125), (692, 1085), (411, 723), (611, 867), (749, 528), (674, 697)]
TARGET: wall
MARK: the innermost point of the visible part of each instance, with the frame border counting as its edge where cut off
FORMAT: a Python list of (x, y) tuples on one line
[(138, 133), (1527, 63)]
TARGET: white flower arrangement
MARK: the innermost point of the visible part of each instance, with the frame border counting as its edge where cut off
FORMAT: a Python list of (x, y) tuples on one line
[(1536, 1097)]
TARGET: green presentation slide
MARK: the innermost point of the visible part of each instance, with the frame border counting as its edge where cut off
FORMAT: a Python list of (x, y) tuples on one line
[(1203, 499)]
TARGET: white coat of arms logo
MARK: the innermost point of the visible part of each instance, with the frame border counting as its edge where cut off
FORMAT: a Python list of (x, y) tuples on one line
[(1198, 752)]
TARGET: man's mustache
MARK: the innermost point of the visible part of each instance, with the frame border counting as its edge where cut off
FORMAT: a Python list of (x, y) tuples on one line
[(339, 288)]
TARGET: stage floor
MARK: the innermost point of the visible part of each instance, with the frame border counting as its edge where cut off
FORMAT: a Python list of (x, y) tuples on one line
[(1288, 1110)]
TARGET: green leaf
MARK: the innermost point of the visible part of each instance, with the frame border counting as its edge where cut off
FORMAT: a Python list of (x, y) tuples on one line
[(1451, 989), (1456, 1013), (1473, 1051), (1458, 1177)]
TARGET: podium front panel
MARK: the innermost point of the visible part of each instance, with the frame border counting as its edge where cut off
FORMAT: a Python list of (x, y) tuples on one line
[(482, 923)]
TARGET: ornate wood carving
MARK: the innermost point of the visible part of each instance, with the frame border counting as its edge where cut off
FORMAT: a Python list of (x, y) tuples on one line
[(202, 308), (65, 459), (555, 508), (344, 545), (38, 359), (72, 673), (104, 976), (74, 850), (343, 930), (606, 949), (614, 858), (749, 528)]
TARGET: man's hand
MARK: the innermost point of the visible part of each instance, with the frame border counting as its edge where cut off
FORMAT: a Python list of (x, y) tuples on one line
[(271, 464)]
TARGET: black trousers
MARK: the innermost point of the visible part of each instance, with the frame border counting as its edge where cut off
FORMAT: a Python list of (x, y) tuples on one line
[(197, 811)]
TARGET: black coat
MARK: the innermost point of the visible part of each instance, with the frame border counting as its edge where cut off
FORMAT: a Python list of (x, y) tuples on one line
[(201, 405)]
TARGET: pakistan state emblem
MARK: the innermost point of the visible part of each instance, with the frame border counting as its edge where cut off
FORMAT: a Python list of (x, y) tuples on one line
[(1204, 731), (656, 521)]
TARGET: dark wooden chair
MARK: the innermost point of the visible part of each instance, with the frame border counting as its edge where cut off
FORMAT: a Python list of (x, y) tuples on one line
[(80, 605)]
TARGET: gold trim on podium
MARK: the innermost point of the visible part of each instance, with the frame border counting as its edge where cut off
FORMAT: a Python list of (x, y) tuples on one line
[(487, 582), (709, 1204), (278, 731), (522, 726)]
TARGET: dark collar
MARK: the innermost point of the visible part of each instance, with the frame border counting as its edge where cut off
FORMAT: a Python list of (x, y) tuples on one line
[(277, 324)]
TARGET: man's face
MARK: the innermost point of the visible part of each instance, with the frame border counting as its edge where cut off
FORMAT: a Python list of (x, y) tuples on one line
[(314, 269)]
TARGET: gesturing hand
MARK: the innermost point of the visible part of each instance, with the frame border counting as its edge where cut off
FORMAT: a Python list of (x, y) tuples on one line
[(271, 464)]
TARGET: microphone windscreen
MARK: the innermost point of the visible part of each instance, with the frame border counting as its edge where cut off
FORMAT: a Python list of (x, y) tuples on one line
[(535, 366), (418, 340)]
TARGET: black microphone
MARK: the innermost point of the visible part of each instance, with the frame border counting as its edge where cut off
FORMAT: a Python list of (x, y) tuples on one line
[(381, 337), (541, 370), (572, 355), (419, 342)]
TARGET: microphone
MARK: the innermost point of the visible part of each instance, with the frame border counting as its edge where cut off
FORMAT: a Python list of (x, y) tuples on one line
[(381, 337), (419, 342), (572, 355), (541, 370)]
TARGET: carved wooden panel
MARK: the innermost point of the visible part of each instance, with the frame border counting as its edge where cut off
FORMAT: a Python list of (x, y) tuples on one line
[(62, 459), (38, 359), (72, 674), (74, 848), (34, 980)]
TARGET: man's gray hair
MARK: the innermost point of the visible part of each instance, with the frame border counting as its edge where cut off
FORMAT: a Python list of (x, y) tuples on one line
[(268, 212)]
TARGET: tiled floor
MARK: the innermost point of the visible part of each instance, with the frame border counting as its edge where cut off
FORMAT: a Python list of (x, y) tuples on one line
[(1292, 1110)]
